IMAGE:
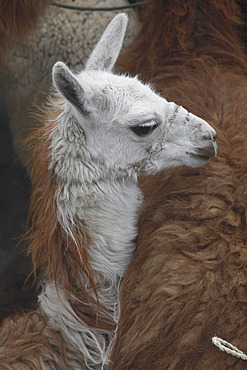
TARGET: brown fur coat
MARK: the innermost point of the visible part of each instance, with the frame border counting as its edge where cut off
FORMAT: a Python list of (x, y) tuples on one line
[(188, 279)]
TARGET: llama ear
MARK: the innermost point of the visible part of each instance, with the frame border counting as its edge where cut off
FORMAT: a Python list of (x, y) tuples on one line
[(68, 85), (108, 48)]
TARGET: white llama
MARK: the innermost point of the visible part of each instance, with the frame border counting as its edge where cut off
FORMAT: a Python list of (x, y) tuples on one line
[(109, 129)]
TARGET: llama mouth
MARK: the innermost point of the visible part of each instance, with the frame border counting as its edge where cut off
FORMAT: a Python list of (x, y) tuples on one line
[(204, 154), (203, 158)]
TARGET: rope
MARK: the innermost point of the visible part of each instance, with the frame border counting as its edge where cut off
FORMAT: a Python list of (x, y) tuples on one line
[(224, 346), (99, 9)]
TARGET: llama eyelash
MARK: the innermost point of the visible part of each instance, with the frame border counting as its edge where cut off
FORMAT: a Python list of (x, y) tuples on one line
[(145, 129)]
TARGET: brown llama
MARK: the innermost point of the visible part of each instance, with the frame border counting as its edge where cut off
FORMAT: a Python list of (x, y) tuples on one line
[(100, 132), (187, 280)]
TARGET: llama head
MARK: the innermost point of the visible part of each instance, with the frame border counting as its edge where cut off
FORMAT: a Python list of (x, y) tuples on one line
[(124, 124)]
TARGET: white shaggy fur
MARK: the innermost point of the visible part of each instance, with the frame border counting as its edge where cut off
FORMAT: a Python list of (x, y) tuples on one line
[(112, 128)]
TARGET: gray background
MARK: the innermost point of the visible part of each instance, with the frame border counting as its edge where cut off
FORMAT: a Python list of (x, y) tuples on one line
[(15, 188)]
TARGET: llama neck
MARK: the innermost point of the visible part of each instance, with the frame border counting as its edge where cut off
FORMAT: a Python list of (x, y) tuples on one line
[(109, 210), (112, 223)]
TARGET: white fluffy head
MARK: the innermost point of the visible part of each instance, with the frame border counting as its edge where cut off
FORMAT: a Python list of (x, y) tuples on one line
[(126, 127)]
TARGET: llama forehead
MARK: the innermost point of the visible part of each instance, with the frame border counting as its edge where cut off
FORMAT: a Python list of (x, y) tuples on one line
[(120, 95)]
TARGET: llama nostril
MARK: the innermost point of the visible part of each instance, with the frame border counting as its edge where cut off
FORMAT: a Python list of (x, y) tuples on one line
[(210, 135), (214, 136)]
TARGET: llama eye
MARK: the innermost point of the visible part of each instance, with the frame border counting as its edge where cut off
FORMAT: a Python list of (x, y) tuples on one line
[(144, 130)]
